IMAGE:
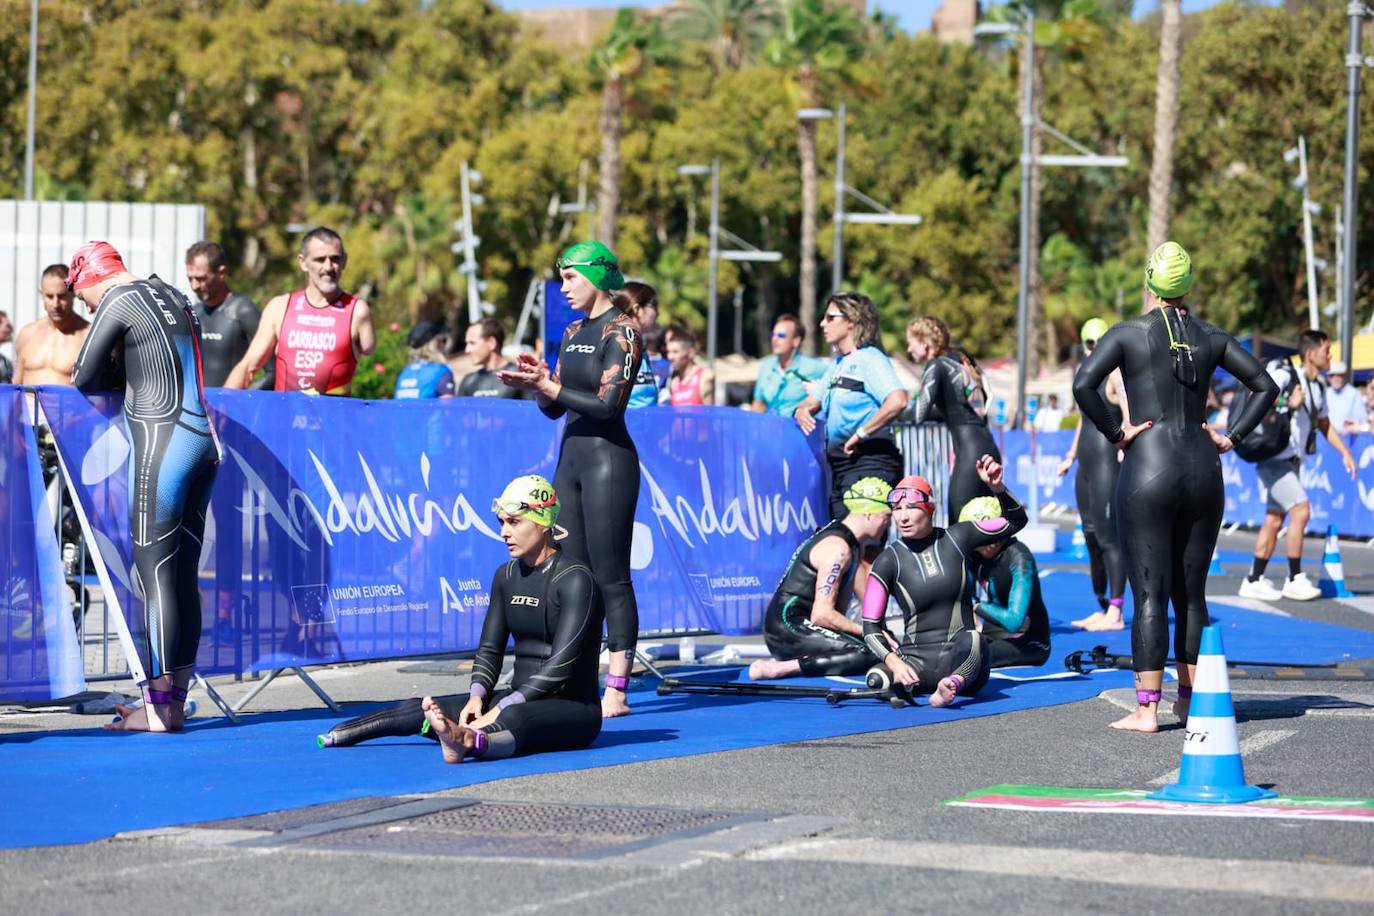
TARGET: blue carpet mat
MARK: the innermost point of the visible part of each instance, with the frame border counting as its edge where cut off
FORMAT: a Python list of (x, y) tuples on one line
[(76, 786)]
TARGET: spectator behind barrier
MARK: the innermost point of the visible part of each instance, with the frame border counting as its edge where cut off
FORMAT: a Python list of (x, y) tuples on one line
[(427, 375), (483, 342), (690, 383), (47, 348), (784, 376)]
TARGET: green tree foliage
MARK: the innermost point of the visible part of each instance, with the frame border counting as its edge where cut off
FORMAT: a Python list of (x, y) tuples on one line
[(359, 115)]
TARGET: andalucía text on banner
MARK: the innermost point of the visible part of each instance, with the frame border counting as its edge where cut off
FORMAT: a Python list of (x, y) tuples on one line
[(344, 529)]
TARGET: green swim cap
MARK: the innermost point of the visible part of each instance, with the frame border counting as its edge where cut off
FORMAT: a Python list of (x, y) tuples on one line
[(981, 509), (530, 497), (596, 262), (867, 496), (1169, 272), (1093, 329)]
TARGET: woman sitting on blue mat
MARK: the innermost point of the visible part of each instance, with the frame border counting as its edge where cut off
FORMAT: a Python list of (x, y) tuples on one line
[(927, 571), (552, 608), (1016, 625)]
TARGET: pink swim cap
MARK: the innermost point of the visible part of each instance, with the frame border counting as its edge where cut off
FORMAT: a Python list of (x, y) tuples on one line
[(92, 263)]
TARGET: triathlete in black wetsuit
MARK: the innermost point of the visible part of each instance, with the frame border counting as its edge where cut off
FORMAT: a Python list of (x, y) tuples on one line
[(1170, 494), (549, 604), (1016, 625), (1094, 487), (228, 320), (148, 329), (952, 393), (598, 467), (805, 626), (928, 571)]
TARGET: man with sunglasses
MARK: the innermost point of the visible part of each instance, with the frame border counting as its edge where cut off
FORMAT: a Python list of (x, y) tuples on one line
[(548, 602), (928, 571), (1094, 487), (805, 626), (784, 376)]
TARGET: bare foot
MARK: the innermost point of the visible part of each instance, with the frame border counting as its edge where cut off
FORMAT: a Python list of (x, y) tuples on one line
[(453, 739), (613, 704), (769, 668), (944, 692), (1107, 620), (1085, 623), (1181, 708), (146, 718), (1144, 719)]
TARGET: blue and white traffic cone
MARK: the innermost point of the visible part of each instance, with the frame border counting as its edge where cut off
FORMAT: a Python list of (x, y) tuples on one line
[(1211, 770), (1333, 583), (1215, 569), (1078, 544)]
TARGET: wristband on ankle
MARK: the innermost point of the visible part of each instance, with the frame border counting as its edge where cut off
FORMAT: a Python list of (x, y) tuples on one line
[(617, 681), (1184, 692), (1117, 603), (479, 742), (1146, 697), (958, 680)]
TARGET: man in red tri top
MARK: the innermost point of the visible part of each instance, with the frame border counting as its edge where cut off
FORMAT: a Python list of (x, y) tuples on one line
[(319, 333)]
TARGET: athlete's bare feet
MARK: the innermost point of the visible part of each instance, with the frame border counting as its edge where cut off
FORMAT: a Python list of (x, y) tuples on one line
[(1107, 620), (1084, 623), (156, 717), (455, 740), (613, 704), (944, 692), (1144, 719), (1181, 708), (769, 668)]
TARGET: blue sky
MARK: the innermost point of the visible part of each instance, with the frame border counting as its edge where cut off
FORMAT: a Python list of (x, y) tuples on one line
[(911, 14)]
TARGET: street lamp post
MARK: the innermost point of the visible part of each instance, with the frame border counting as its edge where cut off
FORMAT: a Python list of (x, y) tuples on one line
[(715, 254), (33, 100), (1354, 62), (882, 216), (1299, 153)]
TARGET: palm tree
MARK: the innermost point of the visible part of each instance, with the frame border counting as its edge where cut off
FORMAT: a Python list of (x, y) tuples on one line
[(631, 49), (1166, 122), (735, 30), (819, 41)]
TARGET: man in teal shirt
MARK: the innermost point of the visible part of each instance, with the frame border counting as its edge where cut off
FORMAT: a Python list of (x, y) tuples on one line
[(780, 388)]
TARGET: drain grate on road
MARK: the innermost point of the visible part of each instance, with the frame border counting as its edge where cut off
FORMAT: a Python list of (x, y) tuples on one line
[(309, 816), (516, 830)]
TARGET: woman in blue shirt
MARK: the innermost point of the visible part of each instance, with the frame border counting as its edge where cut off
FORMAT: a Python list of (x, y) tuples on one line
[(860, 396)]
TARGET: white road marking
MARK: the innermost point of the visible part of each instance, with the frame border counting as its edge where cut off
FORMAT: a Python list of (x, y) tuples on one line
[(1250, 744), (1287, 880)]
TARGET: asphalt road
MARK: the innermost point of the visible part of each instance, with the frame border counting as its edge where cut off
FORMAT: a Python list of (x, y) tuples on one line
[(849, 824)]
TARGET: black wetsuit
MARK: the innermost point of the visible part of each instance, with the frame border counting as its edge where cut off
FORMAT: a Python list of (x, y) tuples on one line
[(1169, 496), (6, 370), (1016, 626), (483, 383), (226, 330), (597, 479), (945, 392), (146, 332), (787, 626), (932, 581), (553, 612), (1094, 488)]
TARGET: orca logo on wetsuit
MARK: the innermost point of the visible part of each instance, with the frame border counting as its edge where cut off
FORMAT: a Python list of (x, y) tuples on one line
[(579, 348)]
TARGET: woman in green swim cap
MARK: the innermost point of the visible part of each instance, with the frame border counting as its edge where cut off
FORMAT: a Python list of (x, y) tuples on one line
[(1094, 487), (598, 466)]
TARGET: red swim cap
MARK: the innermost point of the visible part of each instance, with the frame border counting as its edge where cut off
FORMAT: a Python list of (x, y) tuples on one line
[(915, 490), (92, 263)]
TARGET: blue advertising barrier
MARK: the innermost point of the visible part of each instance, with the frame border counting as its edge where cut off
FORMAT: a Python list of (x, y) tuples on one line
[(343, 530), (1336, 499), (41, 659)]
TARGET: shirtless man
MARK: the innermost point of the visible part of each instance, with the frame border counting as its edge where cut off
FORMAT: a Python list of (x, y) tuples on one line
[(318, 333), (47, 348)]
